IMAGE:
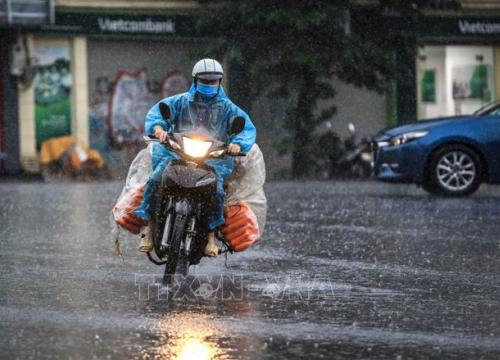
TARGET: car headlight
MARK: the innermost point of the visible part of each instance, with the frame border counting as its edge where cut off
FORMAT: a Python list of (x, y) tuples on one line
[(404, 138), (196, 148)]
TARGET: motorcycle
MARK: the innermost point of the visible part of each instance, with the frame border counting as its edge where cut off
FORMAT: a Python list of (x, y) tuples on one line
[(184, 200), (358, 158)]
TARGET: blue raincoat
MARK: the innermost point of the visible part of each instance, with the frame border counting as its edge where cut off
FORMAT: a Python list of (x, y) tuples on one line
[(190, 111)]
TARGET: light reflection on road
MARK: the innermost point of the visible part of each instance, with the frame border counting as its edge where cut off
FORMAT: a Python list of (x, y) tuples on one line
[(188, 337)]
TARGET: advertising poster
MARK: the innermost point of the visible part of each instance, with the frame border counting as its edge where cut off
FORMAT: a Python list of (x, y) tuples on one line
[(52, 86), (428, 86), (472, 82)]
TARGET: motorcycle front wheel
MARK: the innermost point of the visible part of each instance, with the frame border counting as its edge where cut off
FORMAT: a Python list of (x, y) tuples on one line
[(178, 234)]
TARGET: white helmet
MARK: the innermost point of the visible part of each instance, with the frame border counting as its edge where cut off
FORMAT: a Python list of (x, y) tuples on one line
[(208, 69)]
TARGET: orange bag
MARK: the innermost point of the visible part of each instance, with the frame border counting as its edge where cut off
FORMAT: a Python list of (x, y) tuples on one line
[(241, 228), (124, 211)]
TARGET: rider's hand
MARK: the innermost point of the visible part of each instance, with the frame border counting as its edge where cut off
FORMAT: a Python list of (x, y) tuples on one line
[(233, 149), (160, 134)]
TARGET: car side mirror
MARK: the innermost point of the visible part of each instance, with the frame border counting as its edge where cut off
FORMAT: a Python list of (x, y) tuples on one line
[(165, 111), (237, 126)]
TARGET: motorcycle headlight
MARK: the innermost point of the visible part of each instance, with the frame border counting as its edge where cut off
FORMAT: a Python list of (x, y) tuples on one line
[(196, 148), (404, 138)]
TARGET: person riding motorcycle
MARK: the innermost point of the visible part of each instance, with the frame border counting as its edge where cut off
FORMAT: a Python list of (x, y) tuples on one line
[(204, 108)]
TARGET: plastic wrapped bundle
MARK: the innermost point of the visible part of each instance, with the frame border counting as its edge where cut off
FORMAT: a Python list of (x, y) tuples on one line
[(246, 184), (241, 229), (139, 170), (132, 193), (124, 210)]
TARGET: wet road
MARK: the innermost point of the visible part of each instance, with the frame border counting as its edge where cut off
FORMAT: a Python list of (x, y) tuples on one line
[(345, 270)]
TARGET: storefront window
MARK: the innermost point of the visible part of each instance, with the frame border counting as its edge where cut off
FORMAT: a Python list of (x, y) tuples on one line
[(454, 80)]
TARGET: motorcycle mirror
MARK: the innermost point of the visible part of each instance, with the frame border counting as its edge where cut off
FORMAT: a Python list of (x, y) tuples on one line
[(164, 111), (237, 126), (351, 128)]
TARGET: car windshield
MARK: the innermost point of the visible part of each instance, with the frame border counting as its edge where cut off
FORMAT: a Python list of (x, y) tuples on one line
[(492, 108)]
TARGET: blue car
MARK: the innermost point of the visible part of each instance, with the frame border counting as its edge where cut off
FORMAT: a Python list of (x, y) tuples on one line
[(447, 156)]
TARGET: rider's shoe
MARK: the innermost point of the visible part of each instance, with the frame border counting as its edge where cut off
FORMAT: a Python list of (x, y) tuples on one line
[(211, 250), (146, 244)]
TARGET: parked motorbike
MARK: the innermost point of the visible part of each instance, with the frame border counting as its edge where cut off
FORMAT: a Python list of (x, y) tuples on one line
[(358, 158), (185, 198)]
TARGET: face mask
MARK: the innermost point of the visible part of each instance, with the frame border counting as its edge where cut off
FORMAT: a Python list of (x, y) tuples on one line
[(207, 90)]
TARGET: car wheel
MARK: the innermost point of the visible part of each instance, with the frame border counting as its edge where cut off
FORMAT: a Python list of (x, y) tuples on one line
[(455, 170)]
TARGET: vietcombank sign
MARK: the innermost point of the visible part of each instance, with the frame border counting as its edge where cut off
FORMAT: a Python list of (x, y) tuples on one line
[(460, 27), (478, 27), (149, 25), (141, 24)]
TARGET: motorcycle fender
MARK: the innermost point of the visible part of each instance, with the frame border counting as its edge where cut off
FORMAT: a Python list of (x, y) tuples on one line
[(189, 177)]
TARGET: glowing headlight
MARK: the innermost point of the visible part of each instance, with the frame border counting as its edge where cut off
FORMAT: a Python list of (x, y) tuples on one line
[(404, 138), (196, 148)]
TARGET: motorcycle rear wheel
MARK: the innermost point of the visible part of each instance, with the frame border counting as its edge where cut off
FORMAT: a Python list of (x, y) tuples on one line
[(178, 234)]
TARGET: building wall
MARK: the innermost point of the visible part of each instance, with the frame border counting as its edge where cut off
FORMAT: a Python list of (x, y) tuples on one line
[(367, 110), (146, 65), (10, 105), (106, 58)]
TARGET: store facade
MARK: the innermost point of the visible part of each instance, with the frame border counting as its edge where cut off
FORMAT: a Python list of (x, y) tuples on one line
[(97, 74), (458, 66), (114, 63)]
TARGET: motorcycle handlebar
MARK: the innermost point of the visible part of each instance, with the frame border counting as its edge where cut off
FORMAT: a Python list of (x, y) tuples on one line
[(151, 139), (156, 140)]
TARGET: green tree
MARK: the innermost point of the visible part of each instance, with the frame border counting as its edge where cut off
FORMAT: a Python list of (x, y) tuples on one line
[(294, 48)]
